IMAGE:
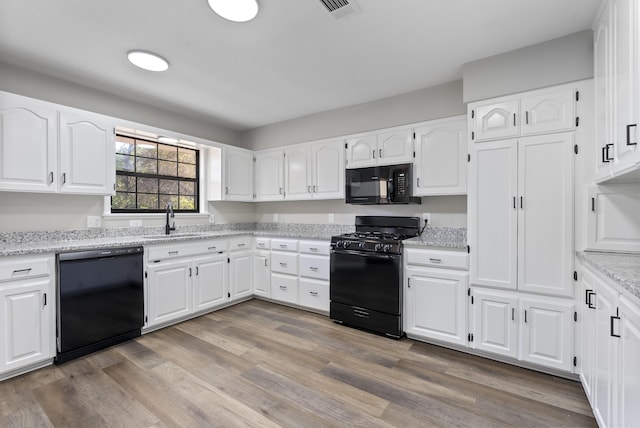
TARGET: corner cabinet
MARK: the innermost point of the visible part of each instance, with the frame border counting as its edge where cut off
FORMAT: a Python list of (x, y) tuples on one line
[(440, 165), (27, 305), (237, 175), (47, 148)]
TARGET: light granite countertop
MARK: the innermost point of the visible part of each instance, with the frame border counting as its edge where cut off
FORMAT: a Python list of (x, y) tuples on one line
[(440, 237), (623, 268)]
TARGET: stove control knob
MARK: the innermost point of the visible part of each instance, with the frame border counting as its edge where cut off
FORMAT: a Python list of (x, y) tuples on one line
[(386, 247), (345, 244), (361, 245), (378, 247), (339, 244)]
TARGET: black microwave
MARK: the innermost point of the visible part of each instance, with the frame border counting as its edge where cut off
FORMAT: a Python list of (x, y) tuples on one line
[(389, 184)]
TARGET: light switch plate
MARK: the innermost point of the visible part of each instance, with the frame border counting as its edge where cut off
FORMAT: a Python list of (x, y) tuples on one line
[(94, 221), (331, 218), (275, 218)]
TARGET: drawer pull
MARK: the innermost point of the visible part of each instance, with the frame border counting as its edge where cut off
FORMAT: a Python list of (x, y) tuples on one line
[(283, 287), (432, 260), (173, 253), (313, 293), (19, 271), (283, 264), (283, 245), (212, 248), (313, 249), (313, 268), (241, 245)]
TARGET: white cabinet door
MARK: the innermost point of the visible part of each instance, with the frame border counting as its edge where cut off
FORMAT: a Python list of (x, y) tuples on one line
[(440, 166), (492, 214), (395, 147), (269, 175), (284, 288), (87, 154), (238, 175), (603, 100), (28, 145), (297, 172), (169, 291), (625, 32), (609, 224), (241, 272), (209, 275), (313, 294), (586, 358), (606, 353), (328, 170), (628, 410), (546, 332), (435, 305), (545, 214), (362, 151), (552, 111), (494, 120), (495, 327), (262, 273), (25, 324)]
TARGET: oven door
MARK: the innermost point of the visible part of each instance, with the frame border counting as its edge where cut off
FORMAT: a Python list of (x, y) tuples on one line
[(366, 280)]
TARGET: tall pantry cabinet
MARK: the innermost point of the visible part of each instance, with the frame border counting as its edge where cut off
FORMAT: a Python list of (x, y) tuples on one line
[(520, 225)]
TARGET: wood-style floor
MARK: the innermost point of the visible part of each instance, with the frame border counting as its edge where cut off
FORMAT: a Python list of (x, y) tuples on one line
[(260, 364)]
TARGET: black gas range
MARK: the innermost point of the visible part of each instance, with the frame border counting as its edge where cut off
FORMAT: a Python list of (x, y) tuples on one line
[(366, 274)]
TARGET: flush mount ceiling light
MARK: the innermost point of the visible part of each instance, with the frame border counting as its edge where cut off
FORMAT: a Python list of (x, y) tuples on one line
[(147, 61), (235, 10)]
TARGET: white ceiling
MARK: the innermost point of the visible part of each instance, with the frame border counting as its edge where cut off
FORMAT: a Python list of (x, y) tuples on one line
[(294, 59)]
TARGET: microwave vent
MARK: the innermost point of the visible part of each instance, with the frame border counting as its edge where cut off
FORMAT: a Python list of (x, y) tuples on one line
[(341, 8)]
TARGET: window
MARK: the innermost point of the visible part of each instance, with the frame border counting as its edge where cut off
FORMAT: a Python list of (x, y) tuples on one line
[(149, 175)]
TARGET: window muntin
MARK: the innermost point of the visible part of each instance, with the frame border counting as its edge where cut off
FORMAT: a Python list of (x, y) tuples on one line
[(149, 175)]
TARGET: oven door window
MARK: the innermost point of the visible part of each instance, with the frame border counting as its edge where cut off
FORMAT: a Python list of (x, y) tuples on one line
[(372, 281)]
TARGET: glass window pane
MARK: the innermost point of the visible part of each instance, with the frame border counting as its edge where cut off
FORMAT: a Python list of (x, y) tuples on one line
[(186, 171), (125, 183), (147, 201), (147, 185), (187, 188), (187, 202), (125, 145), (123, 201), (146, 149), (186, 155), (169, 187), (124, 163), (167, 152), (167, 168), (146, 166), (165, 199)]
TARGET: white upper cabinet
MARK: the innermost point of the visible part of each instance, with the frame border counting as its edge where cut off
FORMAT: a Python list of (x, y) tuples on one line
[(328, 169), (269, 175), (385, 147), (536, 112), (617, 79), (238, 175), (87, 154), (297, 172), (46, 148), (28, 145), (610, 225), (494, 120), (440, 166)]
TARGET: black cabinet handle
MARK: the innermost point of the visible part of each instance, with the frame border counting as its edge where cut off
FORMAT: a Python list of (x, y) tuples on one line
[(514, 119), (629, 143), (525, 316), (521, 202), (514, 202), (613, 317), (605, 153), (526, 117), (590, 304)]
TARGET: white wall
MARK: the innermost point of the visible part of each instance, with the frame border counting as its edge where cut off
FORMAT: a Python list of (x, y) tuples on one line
[(562, 60)]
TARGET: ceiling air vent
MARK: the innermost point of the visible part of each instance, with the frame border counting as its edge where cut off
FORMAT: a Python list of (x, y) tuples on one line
[(341, 8)]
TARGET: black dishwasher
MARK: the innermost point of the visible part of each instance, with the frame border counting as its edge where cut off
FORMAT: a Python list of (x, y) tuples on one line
[(100, 299)]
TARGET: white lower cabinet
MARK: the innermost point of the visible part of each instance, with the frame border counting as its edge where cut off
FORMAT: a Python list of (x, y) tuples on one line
[(609, 350), (262, 273), (209, 281), (313, 293), (284, 288), (241, 272), (169, 291), (535, 329), (26, 313)]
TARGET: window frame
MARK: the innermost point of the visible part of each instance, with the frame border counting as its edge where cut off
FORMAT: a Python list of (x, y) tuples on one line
[(196, 181)]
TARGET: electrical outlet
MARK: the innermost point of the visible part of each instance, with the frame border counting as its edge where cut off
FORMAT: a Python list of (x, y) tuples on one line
[(426, 218), (275, 218), (212, 218), (135, 223), (331, 218), (94, 221)]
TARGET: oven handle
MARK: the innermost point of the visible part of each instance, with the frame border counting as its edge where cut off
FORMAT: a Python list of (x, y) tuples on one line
[(370, 255)]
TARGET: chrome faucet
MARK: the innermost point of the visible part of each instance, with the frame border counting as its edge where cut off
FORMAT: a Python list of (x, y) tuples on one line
[(167, 227)]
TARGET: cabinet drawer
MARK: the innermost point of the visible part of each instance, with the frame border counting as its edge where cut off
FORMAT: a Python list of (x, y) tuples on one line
[(284, 288), (240, 243), (163, 252), (216, 246), (13, 269), (284, 244), (263, 243), (437, 258), (314, 294), (314, 266), (315, 247), (284, 262)]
